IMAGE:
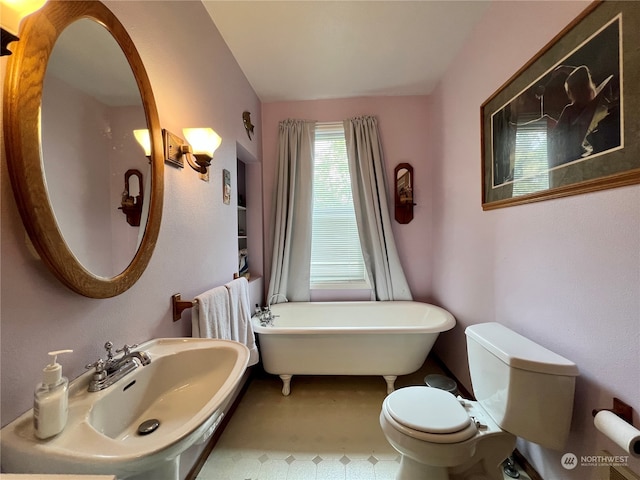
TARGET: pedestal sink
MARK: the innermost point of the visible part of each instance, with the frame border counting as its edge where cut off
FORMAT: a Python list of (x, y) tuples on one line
[(183, 389)]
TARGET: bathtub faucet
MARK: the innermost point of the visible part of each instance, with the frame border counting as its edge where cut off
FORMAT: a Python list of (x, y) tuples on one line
[(265, 315), (275, 295)]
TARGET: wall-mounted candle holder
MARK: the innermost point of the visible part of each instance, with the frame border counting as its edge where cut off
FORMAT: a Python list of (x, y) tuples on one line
[(403, 175), (131, 205)]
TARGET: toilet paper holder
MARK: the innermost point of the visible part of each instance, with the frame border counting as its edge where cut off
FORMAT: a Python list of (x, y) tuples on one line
[(621, 409)]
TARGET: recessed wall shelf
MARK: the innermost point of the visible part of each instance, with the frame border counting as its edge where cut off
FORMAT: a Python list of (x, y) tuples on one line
[(243, 232), (249, 229)]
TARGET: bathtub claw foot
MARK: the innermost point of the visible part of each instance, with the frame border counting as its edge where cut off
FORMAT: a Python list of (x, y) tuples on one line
[(286, 384), (391, 380)]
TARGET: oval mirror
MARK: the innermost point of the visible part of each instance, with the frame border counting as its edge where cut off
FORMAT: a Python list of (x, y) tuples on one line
[(89, 197)]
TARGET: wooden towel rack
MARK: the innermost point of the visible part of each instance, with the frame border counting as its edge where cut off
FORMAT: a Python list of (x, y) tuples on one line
[(180, 306)]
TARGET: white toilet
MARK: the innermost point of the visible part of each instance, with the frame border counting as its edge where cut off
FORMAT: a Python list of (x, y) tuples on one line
[(522, 390)]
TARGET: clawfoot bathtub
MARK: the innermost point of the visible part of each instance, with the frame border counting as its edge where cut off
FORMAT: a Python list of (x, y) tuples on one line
[(349, 338)]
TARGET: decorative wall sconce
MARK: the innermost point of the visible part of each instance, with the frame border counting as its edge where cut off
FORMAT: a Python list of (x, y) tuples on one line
[(143, 138), (132, 205), (403, 174), (11, 14), (202, 143), (248, 126)]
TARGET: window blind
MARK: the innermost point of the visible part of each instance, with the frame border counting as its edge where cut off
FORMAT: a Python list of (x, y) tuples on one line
[(336, 255), (531, 166)]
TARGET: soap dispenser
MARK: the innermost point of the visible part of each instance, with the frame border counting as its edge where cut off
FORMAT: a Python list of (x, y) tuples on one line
[(51, 400)]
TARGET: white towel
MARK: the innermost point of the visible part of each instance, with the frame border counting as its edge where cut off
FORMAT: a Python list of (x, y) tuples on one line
[(211, 317), (240, 316)]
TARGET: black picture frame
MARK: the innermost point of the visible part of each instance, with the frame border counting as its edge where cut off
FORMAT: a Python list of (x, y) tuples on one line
[(568, 122)]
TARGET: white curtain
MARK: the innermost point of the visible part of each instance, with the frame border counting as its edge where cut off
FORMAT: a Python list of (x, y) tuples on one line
[(293, 200), (368, 183), (146, 204)]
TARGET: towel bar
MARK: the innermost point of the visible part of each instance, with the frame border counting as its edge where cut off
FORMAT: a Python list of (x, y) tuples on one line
[(180, 306)]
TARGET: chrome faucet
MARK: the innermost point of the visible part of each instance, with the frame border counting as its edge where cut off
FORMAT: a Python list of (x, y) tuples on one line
[(109, 371), (264, 314), (129, 356), (275, 295)]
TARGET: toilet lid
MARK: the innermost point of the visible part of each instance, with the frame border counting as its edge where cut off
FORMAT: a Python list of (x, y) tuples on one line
[(428, 410)]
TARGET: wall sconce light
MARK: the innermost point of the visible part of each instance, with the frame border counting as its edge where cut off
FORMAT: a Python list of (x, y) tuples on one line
[(11, 14), (143, 138), (204, 142), (198, 150)]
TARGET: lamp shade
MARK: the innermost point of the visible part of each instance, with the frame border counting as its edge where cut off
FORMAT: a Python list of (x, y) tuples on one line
[(203, 141), (13, 11), (143, 138)]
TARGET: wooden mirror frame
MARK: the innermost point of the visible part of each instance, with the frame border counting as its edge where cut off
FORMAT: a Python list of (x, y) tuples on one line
[(22, 100)]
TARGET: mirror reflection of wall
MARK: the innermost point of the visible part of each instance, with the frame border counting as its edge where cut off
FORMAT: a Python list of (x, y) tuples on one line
[(88, 116)]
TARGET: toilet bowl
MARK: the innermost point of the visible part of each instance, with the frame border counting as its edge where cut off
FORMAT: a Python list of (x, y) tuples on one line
[(442, 437)]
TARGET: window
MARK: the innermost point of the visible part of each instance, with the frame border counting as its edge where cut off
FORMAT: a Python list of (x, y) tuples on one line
[(336, 256), (531, 167)]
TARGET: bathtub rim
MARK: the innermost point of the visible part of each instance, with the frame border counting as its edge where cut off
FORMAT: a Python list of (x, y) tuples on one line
[(447, 322)]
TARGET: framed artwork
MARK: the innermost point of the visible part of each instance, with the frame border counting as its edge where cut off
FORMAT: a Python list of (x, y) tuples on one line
[(568, 121), (226, 187)]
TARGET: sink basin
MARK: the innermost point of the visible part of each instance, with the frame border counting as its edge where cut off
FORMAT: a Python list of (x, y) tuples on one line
[(184, 389)]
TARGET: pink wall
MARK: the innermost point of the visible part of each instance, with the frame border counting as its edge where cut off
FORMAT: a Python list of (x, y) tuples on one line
[(406, 137), (86, 199), (197, 247), (565, 273)]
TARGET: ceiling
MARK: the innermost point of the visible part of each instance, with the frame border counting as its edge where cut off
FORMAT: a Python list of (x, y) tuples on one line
[(307, 50)]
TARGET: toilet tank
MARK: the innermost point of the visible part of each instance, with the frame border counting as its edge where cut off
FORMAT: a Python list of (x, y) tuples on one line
[(527, 389)]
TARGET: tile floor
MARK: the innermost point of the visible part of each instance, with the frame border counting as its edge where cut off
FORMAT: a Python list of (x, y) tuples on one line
[(327, 429)]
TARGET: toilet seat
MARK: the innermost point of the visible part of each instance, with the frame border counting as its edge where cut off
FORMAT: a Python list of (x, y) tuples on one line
[(428, 414)]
